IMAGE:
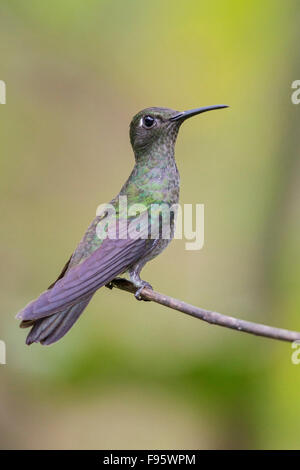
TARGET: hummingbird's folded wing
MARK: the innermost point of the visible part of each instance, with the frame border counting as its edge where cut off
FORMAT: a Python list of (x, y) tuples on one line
[(112, 258)]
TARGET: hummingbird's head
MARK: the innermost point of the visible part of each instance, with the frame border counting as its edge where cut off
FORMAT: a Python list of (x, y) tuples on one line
[(160, 126)]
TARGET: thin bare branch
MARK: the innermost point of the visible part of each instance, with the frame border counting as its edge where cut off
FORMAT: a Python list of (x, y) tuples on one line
[(208, 316)]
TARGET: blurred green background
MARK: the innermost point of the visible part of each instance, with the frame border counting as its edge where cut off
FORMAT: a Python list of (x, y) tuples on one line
[(129, 374)]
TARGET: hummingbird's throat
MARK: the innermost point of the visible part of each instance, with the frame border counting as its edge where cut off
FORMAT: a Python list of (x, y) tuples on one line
[(161, 151)]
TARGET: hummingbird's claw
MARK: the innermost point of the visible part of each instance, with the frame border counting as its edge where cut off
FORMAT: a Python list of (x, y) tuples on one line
[(111, 284), (137, 294)]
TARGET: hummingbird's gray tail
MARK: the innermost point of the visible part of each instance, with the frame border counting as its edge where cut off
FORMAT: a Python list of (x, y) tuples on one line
[(48, 330)]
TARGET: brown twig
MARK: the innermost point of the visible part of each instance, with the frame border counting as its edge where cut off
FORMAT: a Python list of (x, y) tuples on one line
[(208, 316)]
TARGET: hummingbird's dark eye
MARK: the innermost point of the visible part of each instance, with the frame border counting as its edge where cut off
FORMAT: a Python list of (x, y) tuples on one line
[(148, 121)]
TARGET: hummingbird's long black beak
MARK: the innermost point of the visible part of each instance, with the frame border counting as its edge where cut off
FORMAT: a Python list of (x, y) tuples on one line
[(193, 112)]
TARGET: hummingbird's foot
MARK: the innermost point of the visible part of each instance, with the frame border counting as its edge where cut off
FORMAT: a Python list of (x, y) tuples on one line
[(142, 284), (139, 284)]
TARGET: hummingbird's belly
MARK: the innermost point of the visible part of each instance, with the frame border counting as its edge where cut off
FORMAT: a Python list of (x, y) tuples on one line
[(158, 247)]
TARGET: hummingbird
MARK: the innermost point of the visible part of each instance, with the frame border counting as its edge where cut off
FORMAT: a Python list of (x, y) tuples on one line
[(99, 259)]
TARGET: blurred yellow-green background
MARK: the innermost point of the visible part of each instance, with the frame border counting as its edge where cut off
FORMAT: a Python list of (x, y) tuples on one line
[(137, 375)]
